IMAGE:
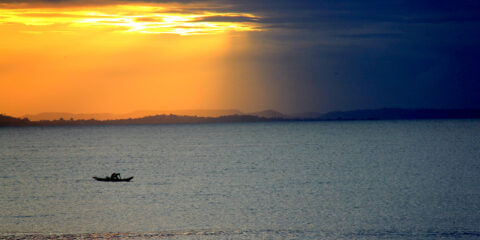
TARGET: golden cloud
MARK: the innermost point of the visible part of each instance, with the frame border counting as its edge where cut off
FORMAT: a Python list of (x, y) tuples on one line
[(132, 18)]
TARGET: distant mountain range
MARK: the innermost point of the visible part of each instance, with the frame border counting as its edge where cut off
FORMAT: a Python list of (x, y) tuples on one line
[(140, 114), (136, 114), (376, 114), (212, 116), (271, 114), (399, 113)]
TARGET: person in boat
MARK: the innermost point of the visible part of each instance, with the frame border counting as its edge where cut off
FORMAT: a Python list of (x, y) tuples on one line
[(115, 176)]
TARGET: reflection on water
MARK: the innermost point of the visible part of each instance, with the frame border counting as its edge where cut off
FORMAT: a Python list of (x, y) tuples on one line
[(315, 180), (254, 234)]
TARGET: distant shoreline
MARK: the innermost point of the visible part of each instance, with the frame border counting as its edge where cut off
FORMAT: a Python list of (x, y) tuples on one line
[(364, 115)]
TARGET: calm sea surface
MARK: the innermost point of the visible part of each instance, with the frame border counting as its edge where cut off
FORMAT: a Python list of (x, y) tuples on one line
[(296, 180)]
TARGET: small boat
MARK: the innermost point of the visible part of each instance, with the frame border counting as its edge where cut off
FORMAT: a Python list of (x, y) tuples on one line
[(109, 179)]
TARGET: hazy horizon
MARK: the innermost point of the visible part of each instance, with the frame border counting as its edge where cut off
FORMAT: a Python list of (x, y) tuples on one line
[(140, 113), (379, 113)]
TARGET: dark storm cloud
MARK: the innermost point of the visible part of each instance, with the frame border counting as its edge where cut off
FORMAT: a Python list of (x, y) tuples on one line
[(367, 54), (370, 35), (312, 13)]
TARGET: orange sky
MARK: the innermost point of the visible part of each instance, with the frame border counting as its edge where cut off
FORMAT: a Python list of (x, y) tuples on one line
[(121, 58)]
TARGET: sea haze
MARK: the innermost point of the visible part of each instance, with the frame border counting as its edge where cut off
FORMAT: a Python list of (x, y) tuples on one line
[(276, 180)]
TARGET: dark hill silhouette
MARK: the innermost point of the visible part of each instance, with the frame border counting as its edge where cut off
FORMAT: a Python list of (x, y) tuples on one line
[(136, 114), (270, 114), (11, 121), (157, 119), (307, 115), (264, 116)]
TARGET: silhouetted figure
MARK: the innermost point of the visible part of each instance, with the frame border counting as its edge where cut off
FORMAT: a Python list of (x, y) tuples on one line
[(115, 176)]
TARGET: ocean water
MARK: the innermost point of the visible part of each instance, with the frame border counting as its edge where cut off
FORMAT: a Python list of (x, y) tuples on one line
[(286, 180)]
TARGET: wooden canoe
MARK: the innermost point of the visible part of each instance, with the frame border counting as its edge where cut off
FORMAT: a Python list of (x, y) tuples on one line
[(107, 179)]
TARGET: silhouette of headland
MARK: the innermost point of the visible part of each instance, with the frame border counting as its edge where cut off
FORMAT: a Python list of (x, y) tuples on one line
[(263, 116)]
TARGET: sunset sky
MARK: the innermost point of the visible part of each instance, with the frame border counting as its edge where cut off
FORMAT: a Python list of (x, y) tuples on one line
[(293, 56)]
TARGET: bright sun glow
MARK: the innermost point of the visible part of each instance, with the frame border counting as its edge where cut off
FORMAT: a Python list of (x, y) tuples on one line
[(153, 19), (75, 56)]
